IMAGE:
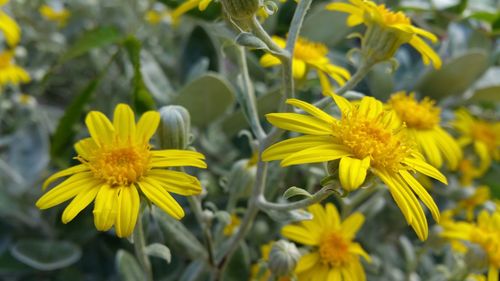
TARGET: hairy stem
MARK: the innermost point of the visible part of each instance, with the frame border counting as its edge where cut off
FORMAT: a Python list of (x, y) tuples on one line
[(319, 196)]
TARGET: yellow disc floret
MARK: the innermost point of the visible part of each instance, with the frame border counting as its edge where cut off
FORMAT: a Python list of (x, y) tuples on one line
[(420, 115), (334, 249)]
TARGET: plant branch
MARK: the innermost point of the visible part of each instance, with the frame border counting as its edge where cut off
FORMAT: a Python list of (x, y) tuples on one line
[(319, 196), (140, 247)]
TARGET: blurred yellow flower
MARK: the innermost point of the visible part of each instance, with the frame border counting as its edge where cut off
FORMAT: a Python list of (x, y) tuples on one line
[(476, 277), (386, 31), (232, 226), (310, 55), (187, 6), (116, 163), (334, 255), (154, 17), (447, 220), (366, 138), (10, 29), (59, 16), (422, 121), (480, 196), (467, 172), (10, 73), (483, 135), (485, 233)]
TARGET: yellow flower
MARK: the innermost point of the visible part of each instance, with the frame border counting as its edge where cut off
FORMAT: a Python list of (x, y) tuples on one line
[(422, 121), (480, 196), (485, 233), (334, 255), (310, 55), (447, 220), (10, 73), (475, 277), (116, 163), (467, 172), (386, 31), (232, 226), (59, 16), (257, 273), (366, 138), (187, 6), (484, 135), (154, 17), (9, 27)]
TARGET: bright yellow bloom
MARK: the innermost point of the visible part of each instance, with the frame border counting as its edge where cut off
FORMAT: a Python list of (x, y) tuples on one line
[(386, 31), (9, 27), (310, 55), (116, 164), (475, 277), (258, 273), (480, 196), (483, 135), (59, 16), (366, 138), (10, 73), (422, 120), (232, 226), (334, 255), (485, 233), (446, 220), (187, 6)]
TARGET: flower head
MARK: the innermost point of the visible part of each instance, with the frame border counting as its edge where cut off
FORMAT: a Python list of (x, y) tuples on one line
[(306, 56), (422, 121), (10, 73), (367, 138), (9, 27), (59, 15), (480, 196), (386, 31), (232, 226), (116, 163), (334, 255)]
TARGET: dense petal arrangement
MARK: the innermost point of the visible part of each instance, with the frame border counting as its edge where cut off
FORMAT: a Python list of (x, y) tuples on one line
[(10, 73), (366, 138), (422, 120), (387, 30), (310, 55), (116, 164), (483, 135), (334, 255)]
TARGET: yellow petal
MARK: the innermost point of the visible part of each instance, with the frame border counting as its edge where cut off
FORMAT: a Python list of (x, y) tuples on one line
[(484, 155), (10, 29), (86, 147), (355, 248), (351, 225), (422, 194), (124, 122), (64, 173), (147, 125), (299, 123), (182, 9), (429, 148), (346, 8), (370, 107), (352, 172), (424, 168), (66, 190), (311, 109), (299, 234), (335, 274), (105, 207), (100, 128), (449, 147), (268, 60), (299, 69), (177, 158), (343, 104), (80, 202), (284, 148), (493, 273), (333, 215), (127, 211), (426, 51), (161, 198), (326, 86), (321, 153), (176, 182), (307, 261), (204, 4)]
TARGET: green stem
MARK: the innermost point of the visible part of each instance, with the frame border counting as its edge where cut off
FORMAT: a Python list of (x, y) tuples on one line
[(319, 196), (195, 204), (140, 248)]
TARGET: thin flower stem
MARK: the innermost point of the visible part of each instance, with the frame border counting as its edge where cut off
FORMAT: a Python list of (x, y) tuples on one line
[(250, 103), (319, 196), (195, 204), (140, 248)]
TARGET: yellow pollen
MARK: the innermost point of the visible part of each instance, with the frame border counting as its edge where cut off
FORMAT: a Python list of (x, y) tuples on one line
[(419, 115), (334, 249), (309, 51), (485, 133), (369, 137), (119, 166)]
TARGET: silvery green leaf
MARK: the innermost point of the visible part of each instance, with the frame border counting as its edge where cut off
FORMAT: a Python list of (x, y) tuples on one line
[(128, 267), (154, 78), (160, 251), (46, 255), (326, 26), (249, 40), (296, 191)]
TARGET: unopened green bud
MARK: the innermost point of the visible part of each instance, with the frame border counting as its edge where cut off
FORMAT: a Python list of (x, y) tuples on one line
[(241, 9), (380, 43), (283, 258), (174, 128)]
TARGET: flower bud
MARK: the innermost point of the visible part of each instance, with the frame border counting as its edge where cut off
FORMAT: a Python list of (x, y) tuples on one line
[(240, 181), (174, 128), (283, 258), (380, 43), (241, 9)]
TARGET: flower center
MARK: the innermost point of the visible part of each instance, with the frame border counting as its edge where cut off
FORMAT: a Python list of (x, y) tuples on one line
[(483, 132), (422, 116), (309, 51), (334, 249), (119, 166), (366, 137)]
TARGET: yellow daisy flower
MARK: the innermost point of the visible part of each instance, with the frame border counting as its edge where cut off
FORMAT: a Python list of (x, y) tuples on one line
[(366, 138), (59, 16), (480, 196), (116, 164), (484, 135), (9, 27), (334, 255), (10, 73), (187, 6), (310, 55), (386, 31), (447, 220), (232, 226), (422, 121), (485, 233)]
